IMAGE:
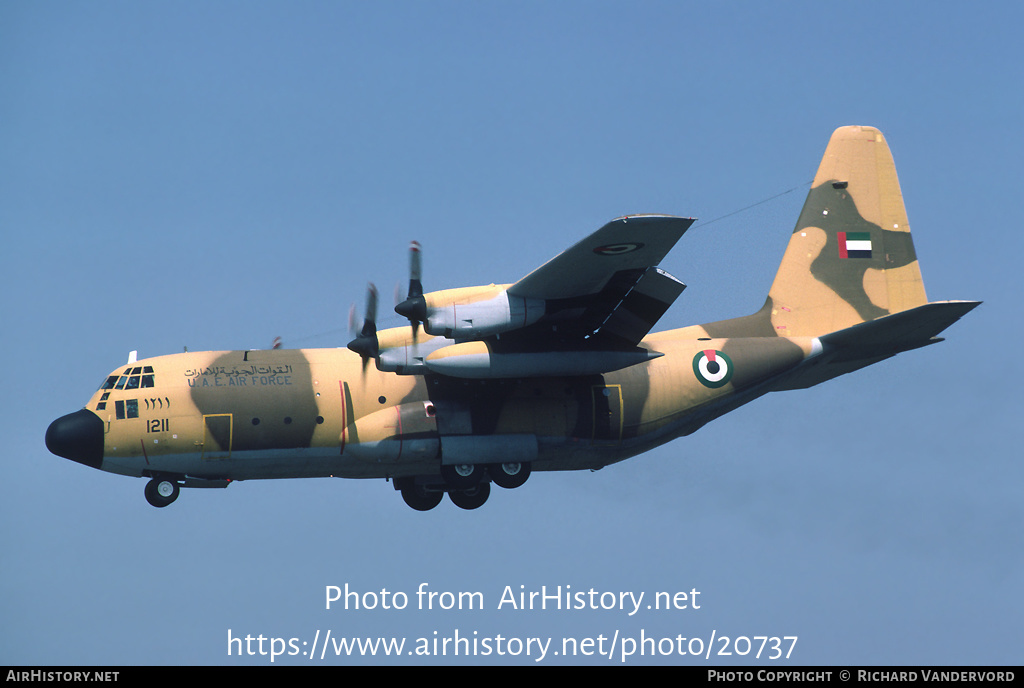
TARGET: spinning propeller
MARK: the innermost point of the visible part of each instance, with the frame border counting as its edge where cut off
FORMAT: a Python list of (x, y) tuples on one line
[(415, 306), (365, 344)]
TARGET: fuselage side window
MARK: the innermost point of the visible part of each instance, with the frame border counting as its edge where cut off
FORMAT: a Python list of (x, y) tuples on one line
[(126, 409)]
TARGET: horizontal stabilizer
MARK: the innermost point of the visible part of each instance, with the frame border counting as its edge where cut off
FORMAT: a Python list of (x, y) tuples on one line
[(898, 332), (866, 343)]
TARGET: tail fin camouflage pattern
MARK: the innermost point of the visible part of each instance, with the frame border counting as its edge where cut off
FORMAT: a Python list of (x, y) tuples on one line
[(850, 258), (849, 277)]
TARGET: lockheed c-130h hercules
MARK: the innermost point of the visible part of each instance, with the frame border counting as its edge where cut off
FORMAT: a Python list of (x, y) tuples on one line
[(555, 372)]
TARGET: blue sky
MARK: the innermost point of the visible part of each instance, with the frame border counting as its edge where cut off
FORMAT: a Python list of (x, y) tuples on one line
[(213, 175)]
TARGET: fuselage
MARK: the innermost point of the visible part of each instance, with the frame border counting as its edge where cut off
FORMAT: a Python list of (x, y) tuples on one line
[(299, 413)]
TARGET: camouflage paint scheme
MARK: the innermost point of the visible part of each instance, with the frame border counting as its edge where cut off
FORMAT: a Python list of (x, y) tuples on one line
[(847, 294)]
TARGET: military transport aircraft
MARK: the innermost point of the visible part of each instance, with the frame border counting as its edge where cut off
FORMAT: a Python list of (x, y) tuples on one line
[(555, 372)]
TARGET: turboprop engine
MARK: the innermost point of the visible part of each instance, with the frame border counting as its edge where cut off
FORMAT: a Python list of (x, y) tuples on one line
[(472, 312)]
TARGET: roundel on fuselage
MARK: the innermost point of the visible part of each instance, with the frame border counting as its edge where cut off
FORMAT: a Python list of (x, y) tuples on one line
[(712, 367)]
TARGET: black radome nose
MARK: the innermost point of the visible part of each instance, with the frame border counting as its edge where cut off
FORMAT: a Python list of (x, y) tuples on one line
[(77, 436)]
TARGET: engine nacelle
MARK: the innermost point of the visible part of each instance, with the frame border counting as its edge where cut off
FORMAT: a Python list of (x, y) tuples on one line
[(479, 312), (402, 352), (476, 360)]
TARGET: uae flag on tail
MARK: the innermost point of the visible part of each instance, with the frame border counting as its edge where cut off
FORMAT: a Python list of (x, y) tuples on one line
[(854, 244)]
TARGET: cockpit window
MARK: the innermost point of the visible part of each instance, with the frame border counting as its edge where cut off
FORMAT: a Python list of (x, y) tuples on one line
[(140, 377)]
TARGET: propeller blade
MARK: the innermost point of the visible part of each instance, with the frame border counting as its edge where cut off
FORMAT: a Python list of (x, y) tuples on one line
[(370, 321), (366, 344), (414, 308), (415, 270)]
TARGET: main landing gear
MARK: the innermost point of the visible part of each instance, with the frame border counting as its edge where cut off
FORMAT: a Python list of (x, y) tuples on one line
[(468, 485)]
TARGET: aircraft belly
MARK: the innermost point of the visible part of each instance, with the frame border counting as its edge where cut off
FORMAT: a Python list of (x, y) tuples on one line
[(132, 467), (265, 464)]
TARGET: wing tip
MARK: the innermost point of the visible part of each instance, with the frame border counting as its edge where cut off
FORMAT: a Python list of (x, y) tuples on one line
[(653, 217)]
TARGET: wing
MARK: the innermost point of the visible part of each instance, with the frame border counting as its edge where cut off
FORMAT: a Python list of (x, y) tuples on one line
[(606, 291), (581, 313), (626, 244)]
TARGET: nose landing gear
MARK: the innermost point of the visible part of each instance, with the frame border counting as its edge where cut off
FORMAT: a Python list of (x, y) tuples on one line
[(162, 491)]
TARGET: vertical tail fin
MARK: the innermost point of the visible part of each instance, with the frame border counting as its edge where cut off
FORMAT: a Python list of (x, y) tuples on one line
[(850, 258)]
